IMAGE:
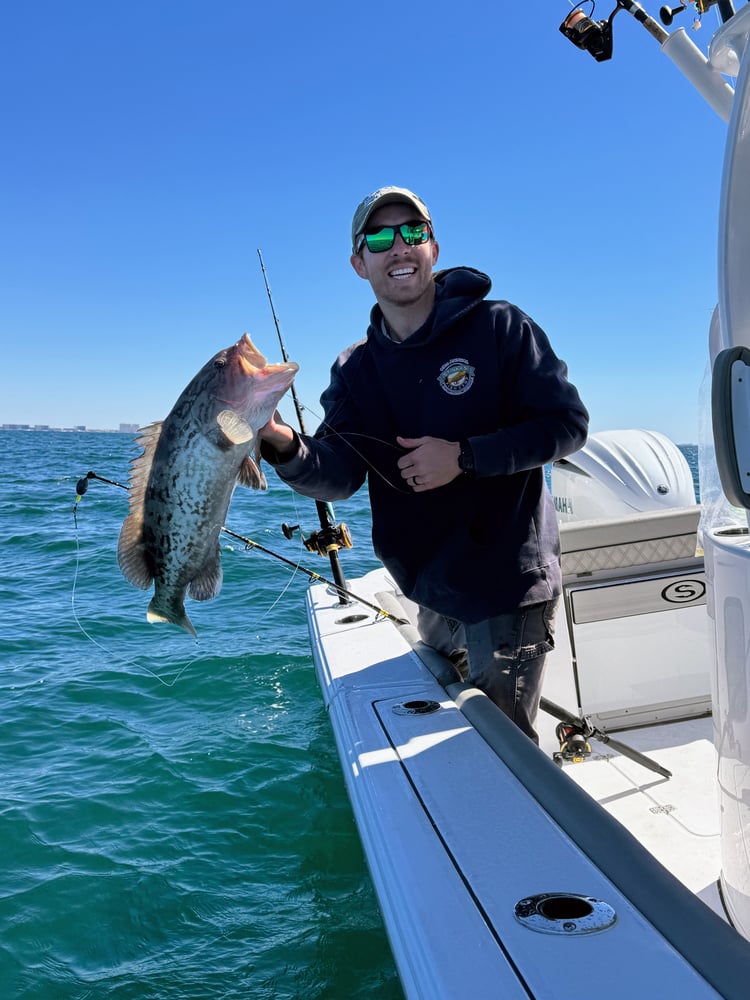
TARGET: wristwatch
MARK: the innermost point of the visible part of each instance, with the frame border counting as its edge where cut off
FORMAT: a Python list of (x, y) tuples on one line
[(466, 459)]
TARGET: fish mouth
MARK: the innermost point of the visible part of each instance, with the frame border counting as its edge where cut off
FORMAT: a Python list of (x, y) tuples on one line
[(250, 373), (250, 358), (252, 362)]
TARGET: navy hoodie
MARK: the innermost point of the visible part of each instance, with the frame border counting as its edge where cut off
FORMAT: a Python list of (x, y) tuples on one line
[(477, 370)]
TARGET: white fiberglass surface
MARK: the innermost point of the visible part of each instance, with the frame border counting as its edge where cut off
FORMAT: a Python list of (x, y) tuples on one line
[(676, 819), (728, 569), (734, 233), (627, 663)]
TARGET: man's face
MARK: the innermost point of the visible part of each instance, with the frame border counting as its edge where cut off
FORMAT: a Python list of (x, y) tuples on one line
[(401, 276)]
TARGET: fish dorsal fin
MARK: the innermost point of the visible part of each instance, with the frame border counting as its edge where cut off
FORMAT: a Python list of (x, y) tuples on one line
[(234, 428), (131, 554), (251, 475)]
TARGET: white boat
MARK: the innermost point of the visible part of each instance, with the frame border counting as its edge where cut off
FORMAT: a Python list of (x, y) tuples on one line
[(616, 856)]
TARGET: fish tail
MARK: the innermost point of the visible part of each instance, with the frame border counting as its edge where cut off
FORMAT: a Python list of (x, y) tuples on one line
[(155, 614)]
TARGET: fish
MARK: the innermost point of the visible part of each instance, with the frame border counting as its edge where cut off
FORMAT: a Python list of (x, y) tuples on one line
[(182, 482)]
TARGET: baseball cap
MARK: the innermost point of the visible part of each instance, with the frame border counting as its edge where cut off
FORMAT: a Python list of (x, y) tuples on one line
[(385, 196)]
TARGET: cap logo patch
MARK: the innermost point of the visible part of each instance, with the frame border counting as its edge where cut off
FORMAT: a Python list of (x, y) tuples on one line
[(456, 376)]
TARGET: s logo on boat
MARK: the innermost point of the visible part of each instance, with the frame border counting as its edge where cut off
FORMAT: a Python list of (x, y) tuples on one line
[(684, 591)]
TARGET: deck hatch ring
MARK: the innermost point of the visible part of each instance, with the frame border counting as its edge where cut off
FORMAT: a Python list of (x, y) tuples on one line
[(566, 913), (416, 707), (351, 619)]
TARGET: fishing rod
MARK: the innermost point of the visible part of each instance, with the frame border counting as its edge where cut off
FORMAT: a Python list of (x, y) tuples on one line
[(343, 592), (345, 595), (581, 730), (83, 484), (331, 536), (596, 38)]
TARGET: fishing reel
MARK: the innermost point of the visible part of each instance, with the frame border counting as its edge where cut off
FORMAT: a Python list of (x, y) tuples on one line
[(574, 747), (323, 542), (594, 37)]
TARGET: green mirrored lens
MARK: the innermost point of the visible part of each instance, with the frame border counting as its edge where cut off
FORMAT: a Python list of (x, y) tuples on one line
[(382, 240), (415, 234)]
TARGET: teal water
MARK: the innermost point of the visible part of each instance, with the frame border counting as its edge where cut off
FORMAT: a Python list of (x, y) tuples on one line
[(173, 822)]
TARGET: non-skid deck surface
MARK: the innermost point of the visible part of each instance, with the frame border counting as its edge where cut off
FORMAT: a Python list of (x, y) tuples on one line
[(677, 818)]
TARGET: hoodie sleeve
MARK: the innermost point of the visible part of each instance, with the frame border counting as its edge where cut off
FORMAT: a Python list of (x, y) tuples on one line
[(328, 465), (547, 417)]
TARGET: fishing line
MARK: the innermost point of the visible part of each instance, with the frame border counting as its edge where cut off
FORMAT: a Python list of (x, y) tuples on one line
[(342, 591), (111, 653), (297, 567), (358, 453), (277, 600), (81, 487), (300, 549)]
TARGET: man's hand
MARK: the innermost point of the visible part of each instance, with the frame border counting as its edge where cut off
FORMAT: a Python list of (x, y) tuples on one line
[(279, 435), (431, 462)]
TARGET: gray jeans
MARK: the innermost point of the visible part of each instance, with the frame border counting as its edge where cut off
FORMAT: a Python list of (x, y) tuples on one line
[(502, 656)]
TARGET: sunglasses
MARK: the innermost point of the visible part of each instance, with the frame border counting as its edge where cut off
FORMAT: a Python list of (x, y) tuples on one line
[(412, 233)]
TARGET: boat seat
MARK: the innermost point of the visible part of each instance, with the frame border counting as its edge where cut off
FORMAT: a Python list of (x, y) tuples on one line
[(665, 538)]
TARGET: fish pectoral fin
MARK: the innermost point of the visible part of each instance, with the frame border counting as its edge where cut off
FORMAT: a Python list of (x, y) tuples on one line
[(235, 429), (206, 584), (251, 475), (132, 557)]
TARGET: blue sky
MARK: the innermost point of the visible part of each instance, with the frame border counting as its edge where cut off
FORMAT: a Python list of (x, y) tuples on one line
[(151, 147)]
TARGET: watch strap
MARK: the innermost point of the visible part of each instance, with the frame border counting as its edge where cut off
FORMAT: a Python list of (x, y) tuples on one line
[(466, 459)]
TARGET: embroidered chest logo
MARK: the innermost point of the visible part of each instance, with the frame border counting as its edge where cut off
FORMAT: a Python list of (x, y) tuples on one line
[(456, 376)]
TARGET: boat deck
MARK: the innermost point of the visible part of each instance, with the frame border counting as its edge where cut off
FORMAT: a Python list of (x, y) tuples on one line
[(676, 819), (463, 820)]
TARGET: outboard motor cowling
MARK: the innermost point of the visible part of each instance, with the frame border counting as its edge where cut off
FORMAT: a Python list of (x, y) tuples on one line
[(618, 473)]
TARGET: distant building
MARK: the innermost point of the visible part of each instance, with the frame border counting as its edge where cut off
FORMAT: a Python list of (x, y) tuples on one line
[(123, 429)]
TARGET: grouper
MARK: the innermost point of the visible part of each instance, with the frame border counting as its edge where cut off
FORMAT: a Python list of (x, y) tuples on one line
[(182, 482)]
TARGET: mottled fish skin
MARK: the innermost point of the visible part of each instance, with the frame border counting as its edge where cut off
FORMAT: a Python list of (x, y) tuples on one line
[(182, 483)]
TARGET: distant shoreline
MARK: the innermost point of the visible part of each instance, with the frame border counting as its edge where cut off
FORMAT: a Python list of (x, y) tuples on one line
[(134, 428), (44, 428)]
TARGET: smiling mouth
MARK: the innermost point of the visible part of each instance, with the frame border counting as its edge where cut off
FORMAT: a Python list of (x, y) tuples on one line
[(402, 272)]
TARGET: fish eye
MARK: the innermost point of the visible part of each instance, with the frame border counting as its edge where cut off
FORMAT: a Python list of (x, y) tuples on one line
[(220, 363)]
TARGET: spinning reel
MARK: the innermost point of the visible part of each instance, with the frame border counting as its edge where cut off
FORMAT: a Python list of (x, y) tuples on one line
[(325, 541), (594, 37), (574, 747)]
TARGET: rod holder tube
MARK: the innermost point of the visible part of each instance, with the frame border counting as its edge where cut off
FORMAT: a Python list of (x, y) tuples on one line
[(693, 65)]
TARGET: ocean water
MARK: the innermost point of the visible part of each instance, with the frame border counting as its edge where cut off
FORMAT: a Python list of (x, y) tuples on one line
[(173, 820)]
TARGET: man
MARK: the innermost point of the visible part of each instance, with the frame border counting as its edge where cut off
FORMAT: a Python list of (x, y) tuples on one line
[(450, 407)]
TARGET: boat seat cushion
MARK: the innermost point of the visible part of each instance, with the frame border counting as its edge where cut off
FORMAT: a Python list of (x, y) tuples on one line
[(658, 537)]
